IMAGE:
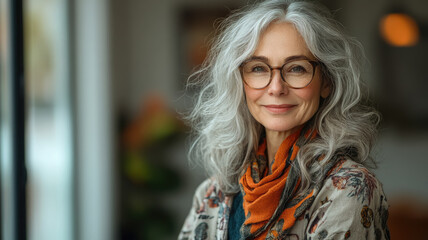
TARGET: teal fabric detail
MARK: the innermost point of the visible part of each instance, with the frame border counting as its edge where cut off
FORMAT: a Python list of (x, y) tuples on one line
[(236, 218)]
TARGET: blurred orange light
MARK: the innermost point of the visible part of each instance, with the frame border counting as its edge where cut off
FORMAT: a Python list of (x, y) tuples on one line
[(399, 30)]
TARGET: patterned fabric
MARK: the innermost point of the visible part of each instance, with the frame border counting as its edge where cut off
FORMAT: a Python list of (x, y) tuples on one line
[(349, 205), (209, 216), (265, 190)]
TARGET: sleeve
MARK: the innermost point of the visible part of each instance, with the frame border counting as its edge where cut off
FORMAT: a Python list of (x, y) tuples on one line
[(191, 219), (351, 205), (189, 222), (209, 213)]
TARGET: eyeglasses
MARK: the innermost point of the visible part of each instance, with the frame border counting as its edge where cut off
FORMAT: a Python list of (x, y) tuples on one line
[(296, 74)]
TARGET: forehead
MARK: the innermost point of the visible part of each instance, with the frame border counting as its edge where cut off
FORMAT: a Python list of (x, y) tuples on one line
[(281, 40)]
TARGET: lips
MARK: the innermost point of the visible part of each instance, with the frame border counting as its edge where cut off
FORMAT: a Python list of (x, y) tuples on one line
[(282, 108)]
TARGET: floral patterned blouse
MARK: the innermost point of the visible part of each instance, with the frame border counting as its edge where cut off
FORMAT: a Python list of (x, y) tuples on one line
[(350, 205)]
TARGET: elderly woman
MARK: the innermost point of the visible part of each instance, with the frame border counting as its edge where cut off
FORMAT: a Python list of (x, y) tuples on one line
[(283, 131)]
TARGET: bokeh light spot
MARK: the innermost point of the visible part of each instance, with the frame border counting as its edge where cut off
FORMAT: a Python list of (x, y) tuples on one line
[(399, 30)]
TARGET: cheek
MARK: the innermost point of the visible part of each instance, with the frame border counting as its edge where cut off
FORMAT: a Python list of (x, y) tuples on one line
[(312, 93), (311, 98), (251, 97)]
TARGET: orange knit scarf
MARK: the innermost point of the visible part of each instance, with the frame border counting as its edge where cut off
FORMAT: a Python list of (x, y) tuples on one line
[(264, 192)]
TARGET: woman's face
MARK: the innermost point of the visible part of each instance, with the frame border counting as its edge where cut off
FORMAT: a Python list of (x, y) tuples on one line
[(278, 107)]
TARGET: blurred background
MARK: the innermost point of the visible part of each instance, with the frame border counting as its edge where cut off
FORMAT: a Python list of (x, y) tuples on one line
[(104, 147)]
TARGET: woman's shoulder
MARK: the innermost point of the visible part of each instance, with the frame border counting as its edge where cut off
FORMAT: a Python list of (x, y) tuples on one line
[(355, 190), (209, 189), (355, 179), (348, 166), (350, 203)]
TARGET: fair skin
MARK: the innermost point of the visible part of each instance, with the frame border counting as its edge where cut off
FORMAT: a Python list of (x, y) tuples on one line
[(279, 108)]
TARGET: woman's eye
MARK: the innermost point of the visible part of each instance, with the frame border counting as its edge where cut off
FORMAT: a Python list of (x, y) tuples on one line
[(259, 69), (297, 69)]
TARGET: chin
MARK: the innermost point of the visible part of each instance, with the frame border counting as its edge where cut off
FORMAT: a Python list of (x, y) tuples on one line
[(279, 127)]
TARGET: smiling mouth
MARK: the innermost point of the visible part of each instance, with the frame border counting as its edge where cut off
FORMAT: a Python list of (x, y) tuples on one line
[(279, 108)]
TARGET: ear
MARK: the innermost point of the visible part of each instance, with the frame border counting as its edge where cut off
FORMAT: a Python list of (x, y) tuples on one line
[(325, 88)]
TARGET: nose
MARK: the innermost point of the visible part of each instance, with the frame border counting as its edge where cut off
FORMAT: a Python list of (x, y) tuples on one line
[(277, 86)]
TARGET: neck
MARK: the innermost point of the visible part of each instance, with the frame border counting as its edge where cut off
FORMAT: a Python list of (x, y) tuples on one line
[(273, 141)]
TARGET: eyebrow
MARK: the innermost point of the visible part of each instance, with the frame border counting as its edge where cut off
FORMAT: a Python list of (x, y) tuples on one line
[(288, 59)]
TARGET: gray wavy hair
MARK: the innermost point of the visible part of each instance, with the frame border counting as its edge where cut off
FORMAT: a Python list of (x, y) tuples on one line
[(226, 134)]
